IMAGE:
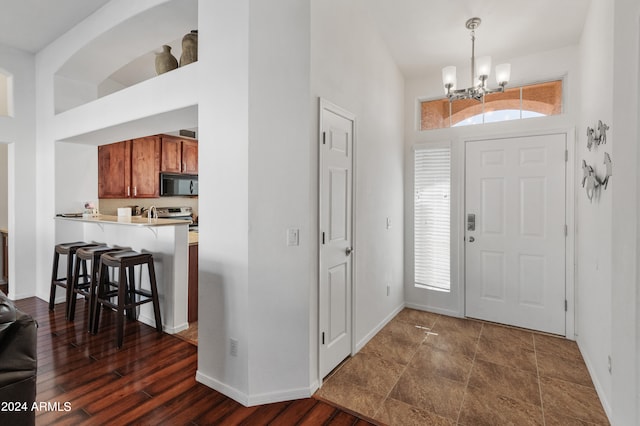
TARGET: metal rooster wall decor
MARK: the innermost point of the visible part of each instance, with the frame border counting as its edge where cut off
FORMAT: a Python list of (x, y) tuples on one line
[(591, 182), (597, 136)]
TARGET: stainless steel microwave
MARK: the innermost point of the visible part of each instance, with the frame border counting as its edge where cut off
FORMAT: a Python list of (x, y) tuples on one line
[(178, 185)]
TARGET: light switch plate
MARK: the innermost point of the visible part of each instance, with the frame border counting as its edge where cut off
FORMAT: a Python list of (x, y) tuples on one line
[(293, 236)]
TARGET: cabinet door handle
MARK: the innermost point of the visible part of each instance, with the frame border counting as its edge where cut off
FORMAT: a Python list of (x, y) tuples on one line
[(135, 191), (128, 191)]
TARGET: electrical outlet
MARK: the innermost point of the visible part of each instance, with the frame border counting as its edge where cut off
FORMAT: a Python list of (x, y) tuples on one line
[(388, 223), (293, 237), (233, 347), (609, 363), (388, 289)]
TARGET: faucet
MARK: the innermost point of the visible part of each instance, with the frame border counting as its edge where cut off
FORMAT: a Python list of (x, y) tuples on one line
[(153, 213)]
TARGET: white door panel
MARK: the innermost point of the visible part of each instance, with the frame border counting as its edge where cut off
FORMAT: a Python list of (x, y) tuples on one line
[(336, 180), (515, 257)]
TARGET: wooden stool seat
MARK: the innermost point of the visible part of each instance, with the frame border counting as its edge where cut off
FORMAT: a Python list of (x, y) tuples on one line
[(124, 289), (87, 286), (68, 249)]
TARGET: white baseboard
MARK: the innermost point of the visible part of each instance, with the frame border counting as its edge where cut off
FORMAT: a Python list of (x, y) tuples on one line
[(435, 310), (169, 330), (258, 399), (596, 383)]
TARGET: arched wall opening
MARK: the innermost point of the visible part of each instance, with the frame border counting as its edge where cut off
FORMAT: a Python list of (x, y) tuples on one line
[(6, 94)]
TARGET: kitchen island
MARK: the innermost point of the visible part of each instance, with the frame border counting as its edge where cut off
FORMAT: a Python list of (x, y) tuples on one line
[(166, 239)]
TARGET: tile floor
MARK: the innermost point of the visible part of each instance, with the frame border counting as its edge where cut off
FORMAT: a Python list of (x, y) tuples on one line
[(429, 369)]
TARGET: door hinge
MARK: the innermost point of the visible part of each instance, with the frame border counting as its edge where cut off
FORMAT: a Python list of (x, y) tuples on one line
[(566, 305), (566, 230), (566, 155), (323, 337), (323, 238), (324, 138)]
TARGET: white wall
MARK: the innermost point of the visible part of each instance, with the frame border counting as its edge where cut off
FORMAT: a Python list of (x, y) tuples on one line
[(4, 185), (555, 64), (352, 68), (258, 127), (19, 132), (76, 167), (625, 329), (594, 219)]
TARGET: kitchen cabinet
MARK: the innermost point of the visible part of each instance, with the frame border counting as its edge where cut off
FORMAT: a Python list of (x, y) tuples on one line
[(179, 155), (192, 291), (129, 169)]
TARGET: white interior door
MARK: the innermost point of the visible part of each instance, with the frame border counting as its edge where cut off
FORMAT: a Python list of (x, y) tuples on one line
[(515, 250), (336, 191)]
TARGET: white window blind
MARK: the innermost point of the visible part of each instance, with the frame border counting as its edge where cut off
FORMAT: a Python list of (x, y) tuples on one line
[(432, 217)]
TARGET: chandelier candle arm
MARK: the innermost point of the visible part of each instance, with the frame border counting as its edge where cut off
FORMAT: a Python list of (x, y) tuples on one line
[(480, 71)]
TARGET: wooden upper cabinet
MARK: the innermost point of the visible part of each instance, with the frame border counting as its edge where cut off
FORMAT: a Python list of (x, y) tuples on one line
[(190, 157), (129, 169), (145, 167), (114, 170), (179, 155)]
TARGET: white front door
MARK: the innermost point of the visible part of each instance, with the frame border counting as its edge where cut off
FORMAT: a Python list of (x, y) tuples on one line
[(336, 189), (515, 231)]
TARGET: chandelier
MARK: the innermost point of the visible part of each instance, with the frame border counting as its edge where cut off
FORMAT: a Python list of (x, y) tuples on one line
[(480, 70)]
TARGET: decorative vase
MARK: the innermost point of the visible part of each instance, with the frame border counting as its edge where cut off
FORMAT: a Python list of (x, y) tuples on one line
[(165, 61), (189, 48)]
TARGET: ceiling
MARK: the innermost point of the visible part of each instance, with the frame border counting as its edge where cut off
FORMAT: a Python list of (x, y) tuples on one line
[(422, 35), (30, 25)]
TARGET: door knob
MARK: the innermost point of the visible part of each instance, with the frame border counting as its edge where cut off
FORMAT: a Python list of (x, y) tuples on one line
[(471, 239), (349, 250)]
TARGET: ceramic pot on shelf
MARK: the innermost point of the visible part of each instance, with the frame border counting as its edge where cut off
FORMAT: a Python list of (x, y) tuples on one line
[(189, 48), (165, 61)]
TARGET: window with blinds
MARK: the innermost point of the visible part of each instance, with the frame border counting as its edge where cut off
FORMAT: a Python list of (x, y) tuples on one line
[(432, 217)]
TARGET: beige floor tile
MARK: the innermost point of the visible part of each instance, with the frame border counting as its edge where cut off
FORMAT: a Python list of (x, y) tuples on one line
[(507, 381), (564, 398), (351, 397), (404, 333), (507, 335), (415, 317), (506, 353), (485, 408), (445, 324), (369, 371), (453, 341), (429, 392), (555, 419), (571, 370), (392, 346), (452, 365), (557, 346), (397, 413)]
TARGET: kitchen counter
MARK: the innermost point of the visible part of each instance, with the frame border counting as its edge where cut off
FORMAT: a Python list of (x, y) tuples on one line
[(166, 239), (126, 220)]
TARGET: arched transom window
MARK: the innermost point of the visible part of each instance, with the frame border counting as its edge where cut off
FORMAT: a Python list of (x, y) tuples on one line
[(515, 103)]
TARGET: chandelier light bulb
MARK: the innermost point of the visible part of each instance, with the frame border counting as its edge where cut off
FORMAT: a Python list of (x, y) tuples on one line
[(483, 66), (503, 73), (449, 76)]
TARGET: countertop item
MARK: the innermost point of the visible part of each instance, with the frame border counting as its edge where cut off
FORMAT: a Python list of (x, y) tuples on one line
[(193, 238), (127, 221)]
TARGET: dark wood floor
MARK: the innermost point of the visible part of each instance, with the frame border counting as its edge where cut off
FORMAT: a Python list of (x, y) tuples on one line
[(151, 380)]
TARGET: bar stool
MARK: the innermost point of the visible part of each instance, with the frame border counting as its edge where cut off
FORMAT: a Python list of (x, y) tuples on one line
[(68, 249), (125, 290), (87, 287)]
